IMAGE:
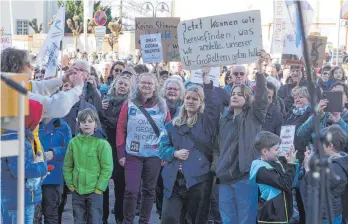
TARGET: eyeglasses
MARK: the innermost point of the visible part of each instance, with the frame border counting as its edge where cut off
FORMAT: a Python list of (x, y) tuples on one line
[(228, 78), (172, 89), (238, 73), (147, 83), (118, 70)]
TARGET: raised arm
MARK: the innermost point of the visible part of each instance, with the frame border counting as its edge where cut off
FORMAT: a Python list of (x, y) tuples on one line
[(260, 103), (211, 112)]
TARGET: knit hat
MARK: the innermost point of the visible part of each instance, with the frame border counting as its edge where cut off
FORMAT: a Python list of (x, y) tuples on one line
[(32, 120)]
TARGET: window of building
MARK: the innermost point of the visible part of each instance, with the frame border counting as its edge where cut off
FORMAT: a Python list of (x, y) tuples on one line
[(22, 27)]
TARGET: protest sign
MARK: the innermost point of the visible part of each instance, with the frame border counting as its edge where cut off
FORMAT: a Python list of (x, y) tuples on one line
[(151, 48), (316, 49), (279, 26), (334, 56), (214, 75), (287, 135), (6, 41), (220, 40), (166, 26), (173, 53), (99, 36)]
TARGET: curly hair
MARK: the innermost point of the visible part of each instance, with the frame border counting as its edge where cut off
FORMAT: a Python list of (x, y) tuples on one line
[(176, 81), (13, 60)]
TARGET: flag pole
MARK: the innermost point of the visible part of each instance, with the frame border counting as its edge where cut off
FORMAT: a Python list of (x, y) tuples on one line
[(338, 32), (11, 17)]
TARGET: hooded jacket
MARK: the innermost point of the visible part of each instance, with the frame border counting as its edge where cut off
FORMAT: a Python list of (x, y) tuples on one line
[(55, 137), (251, 120), (88, 164), (34, 170)]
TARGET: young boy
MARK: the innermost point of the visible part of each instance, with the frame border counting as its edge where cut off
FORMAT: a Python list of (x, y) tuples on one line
[(87, 169), (274, 179), (334, 140)]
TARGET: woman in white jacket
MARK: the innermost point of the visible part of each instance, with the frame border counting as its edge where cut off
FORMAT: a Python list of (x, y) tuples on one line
[(56, 106)]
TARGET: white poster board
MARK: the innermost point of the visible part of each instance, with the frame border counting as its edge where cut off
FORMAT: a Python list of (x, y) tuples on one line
[(220, 40), (287, 135), (151, 48), (6, 41), (214, 75), (100, 32)]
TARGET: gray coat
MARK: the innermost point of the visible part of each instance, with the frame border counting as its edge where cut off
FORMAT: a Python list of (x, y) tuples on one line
[(252, 118)]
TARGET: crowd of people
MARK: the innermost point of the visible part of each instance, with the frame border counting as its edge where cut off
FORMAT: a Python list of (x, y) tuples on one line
[(201, 153)]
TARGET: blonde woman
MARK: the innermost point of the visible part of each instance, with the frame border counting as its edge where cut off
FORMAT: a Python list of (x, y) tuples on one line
[(141, 120), (185, 145), (120, 90)]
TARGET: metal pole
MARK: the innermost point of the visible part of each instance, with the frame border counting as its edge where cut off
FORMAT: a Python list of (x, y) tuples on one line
[(11, 17), (338, 32), (20, 165), (85, 10)]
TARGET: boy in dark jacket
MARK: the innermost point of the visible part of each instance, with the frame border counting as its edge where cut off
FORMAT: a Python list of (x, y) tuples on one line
[(274, 179), (334, 140)]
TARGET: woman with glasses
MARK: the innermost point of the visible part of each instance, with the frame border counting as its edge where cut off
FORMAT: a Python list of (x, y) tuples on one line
[(228, 81), (115, 70), (324, 77), (140, 122)]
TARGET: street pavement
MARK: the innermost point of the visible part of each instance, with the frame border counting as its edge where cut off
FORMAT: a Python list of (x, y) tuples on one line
[(68, 214)]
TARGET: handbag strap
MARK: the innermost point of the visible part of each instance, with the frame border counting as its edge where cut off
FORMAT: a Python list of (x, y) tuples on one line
[(148, 117), (200, 146)]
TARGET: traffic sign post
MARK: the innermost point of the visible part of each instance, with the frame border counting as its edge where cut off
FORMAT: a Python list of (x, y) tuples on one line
[(100, 18)]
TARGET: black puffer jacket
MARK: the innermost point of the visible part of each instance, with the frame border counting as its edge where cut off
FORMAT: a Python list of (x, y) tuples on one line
[(338, 181)]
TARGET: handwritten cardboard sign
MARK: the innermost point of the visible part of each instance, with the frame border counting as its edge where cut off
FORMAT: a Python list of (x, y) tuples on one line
[(287, 135), (316, 48), (220, 40), (151, 48), (173, 53), (214, 75), (166, 26), (6, 41)]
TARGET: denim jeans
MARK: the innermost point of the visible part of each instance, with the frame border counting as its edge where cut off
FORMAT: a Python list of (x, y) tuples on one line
[(195, 200), (10, 216), (238, 202), (145, 171), (87, 208)]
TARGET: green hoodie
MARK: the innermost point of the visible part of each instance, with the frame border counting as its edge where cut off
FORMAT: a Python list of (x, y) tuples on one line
[(88, 164)]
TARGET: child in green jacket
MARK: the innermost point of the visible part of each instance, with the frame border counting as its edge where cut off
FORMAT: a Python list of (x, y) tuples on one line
[(87, 169)]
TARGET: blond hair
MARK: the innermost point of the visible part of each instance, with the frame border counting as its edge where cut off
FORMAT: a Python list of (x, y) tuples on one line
[(112, 90), (183, 118)]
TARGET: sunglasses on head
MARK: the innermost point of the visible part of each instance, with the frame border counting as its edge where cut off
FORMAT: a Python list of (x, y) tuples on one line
[(238, 73)]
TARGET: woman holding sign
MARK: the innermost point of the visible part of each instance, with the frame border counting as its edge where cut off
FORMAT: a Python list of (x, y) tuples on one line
[(140, 122), (238, 198), (186, 145)]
